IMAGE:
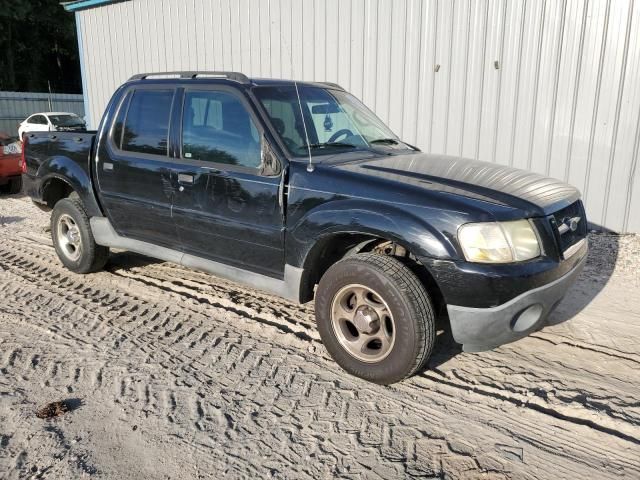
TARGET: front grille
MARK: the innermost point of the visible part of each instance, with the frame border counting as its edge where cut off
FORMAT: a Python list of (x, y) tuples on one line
[(570, 225)]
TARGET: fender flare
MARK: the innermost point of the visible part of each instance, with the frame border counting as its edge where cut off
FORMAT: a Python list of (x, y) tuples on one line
[(70, 172), (387, 221), (313, 232)]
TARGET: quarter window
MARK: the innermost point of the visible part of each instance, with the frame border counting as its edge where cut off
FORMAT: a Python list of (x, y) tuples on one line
[(146, 125), (116, 132), (216, 127)]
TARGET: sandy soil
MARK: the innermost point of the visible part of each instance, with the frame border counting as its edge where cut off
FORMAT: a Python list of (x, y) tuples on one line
[(175, 374)]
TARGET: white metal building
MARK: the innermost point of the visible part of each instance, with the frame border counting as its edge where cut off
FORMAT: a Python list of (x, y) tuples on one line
[(547, 85)]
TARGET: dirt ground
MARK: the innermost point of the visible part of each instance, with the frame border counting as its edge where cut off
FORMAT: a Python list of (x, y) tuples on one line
[(170, 373)]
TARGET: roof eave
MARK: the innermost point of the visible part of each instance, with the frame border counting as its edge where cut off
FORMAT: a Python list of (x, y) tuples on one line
[(76, 5)]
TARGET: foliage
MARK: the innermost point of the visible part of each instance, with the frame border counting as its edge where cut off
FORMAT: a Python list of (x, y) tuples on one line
[(38, 44)]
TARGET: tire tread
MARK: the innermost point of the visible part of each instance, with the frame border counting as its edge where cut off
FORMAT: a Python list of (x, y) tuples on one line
[(408, 282)]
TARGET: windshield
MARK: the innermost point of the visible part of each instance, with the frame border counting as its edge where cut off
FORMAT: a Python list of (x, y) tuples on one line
[(66, 120), (334, 119)]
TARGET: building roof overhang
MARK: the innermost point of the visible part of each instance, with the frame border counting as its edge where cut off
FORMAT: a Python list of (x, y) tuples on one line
[(76, 5)]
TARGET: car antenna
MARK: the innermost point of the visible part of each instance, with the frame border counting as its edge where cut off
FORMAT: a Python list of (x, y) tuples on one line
[(310, 167)]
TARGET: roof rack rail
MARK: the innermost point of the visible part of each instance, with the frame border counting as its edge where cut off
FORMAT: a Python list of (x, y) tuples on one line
[(334, 85), (235, 76)]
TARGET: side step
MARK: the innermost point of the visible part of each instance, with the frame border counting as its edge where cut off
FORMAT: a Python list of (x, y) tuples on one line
[(288, 288)]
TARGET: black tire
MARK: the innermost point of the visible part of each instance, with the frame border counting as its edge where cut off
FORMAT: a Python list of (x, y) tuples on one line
[(91, 257), (15, 185), (408, 302)]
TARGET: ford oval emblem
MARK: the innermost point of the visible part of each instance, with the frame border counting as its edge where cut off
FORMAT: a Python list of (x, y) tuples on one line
[(573, 223)]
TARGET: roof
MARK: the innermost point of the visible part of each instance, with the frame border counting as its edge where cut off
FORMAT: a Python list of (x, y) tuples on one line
[(76, 5)]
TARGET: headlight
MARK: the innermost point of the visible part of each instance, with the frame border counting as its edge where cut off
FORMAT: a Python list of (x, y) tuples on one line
[(499, 242)]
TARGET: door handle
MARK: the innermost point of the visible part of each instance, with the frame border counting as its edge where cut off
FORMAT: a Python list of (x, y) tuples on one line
[(185, 178), (107, 167)]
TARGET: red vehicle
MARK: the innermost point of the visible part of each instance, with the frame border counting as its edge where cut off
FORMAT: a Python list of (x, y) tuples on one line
[(10, 164)]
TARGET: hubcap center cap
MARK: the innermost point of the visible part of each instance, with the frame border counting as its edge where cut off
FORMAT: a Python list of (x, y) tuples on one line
[(366, 320), (74, 236)]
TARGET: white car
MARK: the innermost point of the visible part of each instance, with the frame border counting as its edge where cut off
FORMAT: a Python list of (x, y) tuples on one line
[(51, 121)]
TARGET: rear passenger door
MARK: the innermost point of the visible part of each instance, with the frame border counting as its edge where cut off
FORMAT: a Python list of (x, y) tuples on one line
[(226, 210), (133, 169)]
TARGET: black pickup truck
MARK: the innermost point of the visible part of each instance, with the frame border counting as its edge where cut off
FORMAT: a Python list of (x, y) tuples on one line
[(297, 189)]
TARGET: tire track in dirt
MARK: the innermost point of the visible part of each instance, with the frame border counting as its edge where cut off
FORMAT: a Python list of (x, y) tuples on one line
[(58, 450), (152, 331)]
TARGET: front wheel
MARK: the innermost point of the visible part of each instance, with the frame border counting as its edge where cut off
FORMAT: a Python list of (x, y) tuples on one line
[(375, 318), (73, 239)]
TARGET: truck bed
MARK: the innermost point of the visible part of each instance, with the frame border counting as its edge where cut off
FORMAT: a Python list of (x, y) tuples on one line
[(59, 155), (42, 147)]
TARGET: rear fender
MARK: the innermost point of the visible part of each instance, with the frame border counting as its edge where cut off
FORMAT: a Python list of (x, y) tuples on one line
[(70, 172)]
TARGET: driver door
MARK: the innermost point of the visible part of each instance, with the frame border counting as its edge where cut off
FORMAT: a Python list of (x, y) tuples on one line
[(225, 209)]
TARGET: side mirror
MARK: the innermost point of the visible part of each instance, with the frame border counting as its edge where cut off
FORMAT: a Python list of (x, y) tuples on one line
[(269, 164)]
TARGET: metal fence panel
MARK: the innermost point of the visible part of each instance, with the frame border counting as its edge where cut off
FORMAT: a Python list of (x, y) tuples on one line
[(551, 86)]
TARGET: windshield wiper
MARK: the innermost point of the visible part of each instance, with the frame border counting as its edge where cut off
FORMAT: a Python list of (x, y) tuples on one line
[(330, 145), (392, 141)]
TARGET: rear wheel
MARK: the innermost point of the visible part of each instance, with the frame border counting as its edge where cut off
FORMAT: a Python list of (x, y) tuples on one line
[(375, 318), (73, 239)]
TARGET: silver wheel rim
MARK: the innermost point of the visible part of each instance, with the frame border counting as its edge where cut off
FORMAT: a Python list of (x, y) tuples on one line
[(363, 323), (69, 238)]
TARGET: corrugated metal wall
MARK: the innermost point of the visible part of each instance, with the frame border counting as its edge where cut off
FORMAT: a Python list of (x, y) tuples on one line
[(547, 85), (16, 106)]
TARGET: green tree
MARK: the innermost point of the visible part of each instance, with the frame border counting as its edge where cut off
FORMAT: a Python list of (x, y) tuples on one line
[(38, 45)]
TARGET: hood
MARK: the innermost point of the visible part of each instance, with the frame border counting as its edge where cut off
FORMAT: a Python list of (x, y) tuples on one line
[(484, 181)]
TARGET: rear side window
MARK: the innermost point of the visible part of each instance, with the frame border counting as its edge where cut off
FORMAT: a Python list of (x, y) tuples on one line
[(38, 120), (216, 127), (146, 125)]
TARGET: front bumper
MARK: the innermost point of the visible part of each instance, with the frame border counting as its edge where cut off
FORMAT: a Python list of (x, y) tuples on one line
[(480, 329)]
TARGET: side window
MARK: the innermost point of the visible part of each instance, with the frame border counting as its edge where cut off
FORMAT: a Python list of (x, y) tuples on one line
[(38, 120), (116, 132), (146, 125), (284, 120), (216, 127)]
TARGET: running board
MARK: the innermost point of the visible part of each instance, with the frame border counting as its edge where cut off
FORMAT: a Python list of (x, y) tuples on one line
[(289, 288)]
